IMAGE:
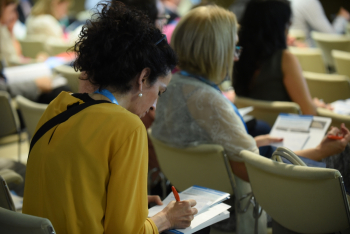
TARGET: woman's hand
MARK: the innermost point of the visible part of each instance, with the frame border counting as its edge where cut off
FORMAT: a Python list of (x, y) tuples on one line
[(155, 199), (322, 104), (266, 140), (175, 215), (329, 147)]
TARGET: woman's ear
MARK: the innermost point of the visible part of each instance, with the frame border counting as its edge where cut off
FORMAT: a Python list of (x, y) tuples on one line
[(143, 78)]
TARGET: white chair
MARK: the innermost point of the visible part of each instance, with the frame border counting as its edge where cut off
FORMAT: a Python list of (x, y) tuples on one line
[(71, 75), (329, 87), (299, 198), (337, 119), (31, 113), (328, 42), (206, 165), (9, 121), (342, 62), (310, 59), (54, 48), (32, 47), (266, 110)]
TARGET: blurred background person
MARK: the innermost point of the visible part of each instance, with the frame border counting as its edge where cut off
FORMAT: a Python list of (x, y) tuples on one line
[(266, 69), (43, 22), (308, 15)]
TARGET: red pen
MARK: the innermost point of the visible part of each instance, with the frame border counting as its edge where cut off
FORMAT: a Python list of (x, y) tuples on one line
[(176, 195), (334, 137)]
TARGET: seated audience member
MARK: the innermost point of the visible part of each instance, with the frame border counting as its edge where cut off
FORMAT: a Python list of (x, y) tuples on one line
[(193, 111), (92, 175), (154, 9), (43, 21), (39, 90), (9, 47), (266, 69), (308, 15)]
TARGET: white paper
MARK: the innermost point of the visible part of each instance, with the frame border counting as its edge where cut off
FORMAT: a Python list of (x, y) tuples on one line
[(245, 110), (202, 203), (300, 132), (27, 72), (204, 197), (291, 140), (212, 215), (341, 107)]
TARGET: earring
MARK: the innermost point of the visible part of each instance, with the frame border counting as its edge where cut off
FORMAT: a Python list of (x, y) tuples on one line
[(140, 94)]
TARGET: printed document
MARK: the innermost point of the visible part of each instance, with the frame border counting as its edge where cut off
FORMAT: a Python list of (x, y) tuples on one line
[(300, 131)]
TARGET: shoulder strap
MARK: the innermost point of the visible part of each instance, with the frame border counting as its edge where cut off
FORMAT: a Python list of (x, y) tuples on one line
[(60, 118)]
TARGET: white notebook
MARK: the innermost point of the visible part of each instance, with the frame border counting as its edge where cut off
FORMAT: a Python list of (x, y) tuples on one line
[(209, 206)]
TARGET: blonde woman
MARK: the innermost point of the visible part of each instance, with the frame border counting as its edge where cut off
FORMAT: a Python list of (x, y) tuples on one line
[(193, 110), (44, 23)]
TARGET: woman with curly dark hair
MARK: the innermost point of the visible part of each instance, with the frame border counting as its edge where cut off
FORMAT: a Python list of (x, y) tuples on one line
[(87, 167)]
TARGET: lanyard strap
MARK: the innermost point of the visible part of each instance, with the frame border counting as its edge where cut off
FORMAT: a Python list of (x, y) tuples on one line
[(108, 95), (212, 84)]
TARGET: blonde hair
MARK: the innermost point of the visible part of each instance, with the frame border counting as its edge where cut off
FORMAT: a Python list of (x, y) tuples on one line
[(44, 7), (204, 41)]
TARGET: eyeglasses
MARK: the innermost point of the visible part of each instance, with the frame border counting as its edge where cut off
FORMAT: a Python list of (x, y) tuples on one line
[(161, 39), (238, 51)]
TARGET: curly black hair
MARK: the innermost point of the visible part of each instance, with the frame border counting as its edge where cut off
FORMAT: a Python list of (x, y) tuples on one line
[(118, 44)]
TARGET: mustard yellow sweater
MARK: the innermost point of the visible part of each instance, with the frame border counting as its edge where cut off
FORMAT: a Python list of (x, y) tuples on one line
[(91, 176)]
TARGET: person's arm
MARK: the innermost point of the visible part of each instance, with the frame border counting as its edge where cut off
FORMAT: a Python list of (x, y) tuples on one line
[(341, 21), (296, 85), (328, 147), (127, 201), (316, 18)]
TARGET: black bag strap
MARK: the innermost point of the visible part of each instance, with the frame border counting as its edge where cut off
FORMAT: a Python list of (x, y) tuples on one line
[(60, 118)]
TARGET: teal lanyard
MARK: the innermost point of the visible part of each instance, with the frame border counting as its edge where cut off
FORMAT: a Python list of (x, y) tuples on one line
[(108, 95)]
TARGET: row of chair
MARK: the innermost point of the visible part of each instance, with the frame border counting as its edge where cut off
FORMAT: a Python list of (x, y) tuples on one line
[(311, 60), (299, 198), (31, 47), (12, 222)]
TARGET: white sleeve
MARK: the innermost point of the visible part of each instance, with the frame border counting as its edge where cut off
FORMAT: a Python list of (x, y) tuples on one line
[(316, 18)]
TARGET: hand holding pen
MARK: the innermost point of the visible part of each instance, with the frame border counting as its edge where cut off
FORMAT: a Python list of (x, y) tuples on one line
[(178, 214)]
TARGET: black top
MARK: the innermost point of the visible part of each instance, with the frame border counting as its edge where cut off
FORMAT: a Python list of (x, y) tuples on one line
[(268, 84)]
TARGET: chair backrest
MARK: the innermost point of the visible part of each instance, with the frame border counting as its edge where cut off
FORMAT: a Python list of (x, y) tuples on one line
[(53, 48), (337, 119), (5, 196), (302, 199), (10, 176), (31, 47), (329, 87), (266, 110), (9, 121), (328, 42), (310, 59), (31, 113), (17, 223), (71, 75), (341, 61), (203, 165)]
